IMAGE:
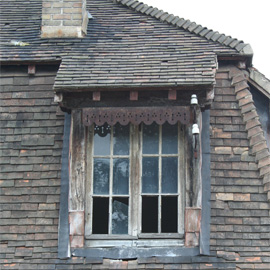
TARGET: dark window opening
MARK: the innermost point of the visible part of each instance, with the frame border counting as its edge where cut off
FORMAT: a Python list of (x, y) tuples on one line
[(100, 215), (149, 214), (169, 212)]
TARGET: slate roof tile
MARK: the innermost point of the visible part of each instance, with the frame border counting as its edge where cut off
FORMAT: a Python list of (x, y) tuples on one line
[(124, 37)]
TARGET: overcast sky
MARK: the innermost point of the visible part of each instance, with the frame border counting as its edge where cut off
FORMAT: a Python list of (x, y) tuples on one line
[(247, 20)]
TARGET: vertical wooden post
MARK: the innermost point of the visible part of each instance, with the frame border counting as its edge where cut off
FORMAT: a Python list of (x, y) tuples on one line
[(77, 180), (77, 162)]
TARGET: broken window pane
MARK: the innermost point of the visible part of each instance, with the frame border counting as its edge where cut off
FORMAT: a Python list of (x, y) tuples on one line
[(150, 139), (169, 139), (101, 175), (100, 215), (149, 214), (169, 175), (120, 176), (102, 139), (120, 216), (121, 140), (169, 215), (150, 175)]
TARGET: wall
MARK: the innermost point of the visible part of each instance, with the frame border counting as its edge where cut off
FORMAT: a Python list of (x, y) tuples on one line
[(31, 145), (240, 211)]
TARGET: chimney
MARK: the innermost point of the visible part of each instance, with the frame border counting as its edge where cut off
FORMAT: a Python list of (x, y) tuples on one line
[(64, 19)]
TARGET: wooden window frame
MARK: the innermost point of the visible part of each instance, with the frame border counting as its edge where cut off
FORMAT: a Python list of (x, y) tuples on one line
[(89, 186), (181, 178), (135, 156), (71, 240)]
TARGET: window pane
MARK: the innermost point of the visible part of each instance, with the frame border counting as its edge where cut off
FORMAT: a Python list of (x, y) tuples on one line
[(120, 176), (101, 175), (169, 139), (150, 139), (149, 214), (102, 140), (169, 175), (120, 216), (150, 175), (121, 140), (169, 215), (100, 215)]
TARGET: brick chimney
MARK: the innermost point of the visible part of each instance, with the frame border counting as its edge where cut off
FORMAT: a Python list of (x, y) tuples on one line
[(64, 18)]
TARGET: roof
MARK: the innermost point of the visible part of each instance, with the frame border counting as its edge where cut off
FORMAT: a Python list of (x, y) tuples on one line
[(188, 25), (128, 44), (259, 80)]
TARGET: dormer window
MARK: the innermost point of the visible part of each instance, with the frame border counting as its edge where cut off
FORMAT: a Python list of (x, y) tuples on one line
[(135, 180)]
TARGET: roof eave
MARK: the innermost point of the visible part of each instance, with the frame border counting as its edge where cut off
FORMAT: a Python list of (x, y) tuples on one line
[(246, 51), (259, 81)]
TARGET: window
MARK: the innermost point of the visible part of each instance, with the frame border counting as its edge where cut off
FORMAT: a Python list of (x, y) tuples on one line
[(133, 186), (135, 183)]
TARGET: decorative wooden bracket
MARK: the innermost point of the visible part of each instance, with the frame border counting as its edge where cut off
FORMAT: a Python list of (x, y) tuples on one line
[(136, 115)]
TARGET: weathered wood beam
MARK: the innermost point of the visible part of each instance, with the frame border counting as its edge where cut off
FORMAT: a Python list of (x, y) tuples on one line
[(133, 95), (31, 69), (192, 226), (96, 95), (172, 94), (76, 233), (77, 163)]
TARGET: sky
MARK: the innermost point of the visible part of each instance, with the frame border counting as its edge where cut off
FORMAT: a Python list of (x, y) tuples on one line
[(247, 20)]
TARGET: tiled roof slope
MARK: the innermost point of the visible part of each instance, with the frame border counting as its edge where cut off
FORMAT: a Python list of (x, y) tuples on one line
[(123, 48), (188, 25)]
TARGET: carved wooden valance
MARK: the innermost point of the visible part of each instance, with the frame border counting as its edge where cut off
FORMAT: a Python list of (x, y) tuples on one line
[(136, 115)]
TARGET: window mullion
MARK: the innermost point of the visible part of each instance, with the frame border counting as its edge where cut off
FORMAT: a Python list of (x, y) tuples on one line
[(89, 175), (134, 180), (111, 181), (139, 178), (160, 178), (181, 177)]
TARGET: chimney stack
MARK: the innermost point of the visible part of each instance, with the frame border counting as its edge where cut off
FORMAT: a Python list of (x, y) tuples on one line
[(64, 19)]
